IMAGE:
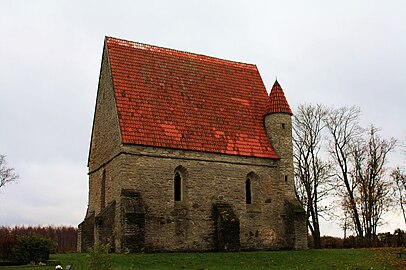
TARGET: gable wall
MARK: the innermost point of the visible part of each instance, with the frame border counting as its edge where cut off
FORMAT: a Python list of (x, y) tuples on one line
[(105, 141), (106, 138)]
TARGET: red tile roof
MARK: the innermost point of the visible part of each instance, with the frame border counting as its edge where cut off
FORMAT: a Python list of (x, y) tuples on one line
[(175, 99), (278, 102)]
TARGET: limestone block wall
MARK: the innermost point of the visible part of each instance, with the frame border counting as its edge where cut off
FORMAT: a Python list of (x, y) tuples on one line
[(86, 233), (104, 180), (278, 127), (104, 190), (106, 137), (104, 225), (207, 179)]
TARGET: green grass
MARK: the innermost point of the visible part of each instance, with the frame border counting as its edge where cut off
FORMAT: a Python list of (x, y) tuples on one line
[(307, 259)]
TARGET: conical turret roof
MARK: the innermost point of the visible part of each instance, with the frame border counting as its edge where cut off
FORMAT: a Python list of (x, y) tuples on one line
[(277, 101)]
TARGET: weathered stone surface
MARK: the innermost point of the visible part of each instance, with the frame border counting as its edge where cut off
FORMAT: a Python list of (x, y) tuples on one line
[(86, 233), (132, 221), (206, 180), (226, 236), (105, 222)]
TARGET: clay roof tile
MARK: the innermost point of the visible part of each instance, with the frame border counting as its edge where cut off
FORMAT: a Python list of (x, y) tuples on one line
[(277, 101), (181, 100)]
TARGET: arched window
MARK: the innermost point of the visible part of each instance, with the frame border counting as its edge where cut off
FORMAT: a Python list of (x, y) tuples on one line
[(248, 197), (178, 187)]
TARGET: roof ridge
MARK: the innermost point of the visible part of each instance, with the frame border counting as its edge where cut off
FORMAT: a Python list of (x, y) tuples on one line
[(155, 48)]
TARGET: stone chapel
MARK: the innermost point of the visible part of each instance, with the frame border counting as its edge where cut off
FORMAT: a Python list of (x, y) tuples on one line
[(189, 153)]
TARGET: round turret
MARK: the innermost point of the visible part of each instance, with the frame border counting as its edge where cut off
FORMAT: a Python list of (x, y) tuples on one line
[(278, 125)]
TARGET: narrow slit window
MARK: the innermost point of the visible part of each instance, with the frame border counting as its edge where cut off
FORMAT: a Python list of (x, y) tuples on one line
[(283, 125), (286, 178), (103, 190), (248, 197), (178, 187)]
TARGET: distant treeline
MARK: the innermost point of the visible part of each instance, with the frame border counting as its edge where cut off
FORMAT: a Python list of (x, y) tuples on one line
[(397, 239), (64, 237)]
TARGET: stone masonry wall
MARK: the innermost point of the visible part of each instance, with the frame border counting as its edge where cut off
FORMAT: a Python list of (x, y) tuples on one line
[(279, 131), (106, 137), (105, 223), (105, 142), (209, 179), (86, 233)]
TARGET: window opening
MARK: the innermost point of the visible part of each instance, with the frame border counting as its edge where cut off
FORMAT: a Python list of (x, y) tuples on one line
[(103, 190), (286, 178), (178, 187), (283, 125), (248, 197)]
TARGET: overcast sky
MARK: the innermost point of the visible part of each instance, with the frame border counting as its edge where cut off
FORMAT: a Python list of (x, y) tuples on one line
[(330, 52)]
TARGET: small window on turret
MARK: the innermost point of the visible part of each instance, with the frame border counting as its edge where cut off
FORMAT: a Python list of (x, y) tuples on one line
[(283, 125), (286, 178)]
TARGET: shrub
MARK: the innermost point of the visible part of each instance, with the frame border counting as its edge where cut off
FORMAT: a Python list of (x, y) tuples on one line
[(32, 248), (331, 242), (99, 257)]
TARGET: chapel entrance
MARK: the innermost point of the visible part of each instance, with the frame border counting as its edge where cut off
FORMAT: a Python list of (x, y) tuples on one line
[(226, 228)]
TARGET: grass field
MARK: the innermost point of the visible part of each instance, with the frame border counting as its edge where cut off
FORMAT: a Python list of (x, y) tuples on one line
[(307, 259)]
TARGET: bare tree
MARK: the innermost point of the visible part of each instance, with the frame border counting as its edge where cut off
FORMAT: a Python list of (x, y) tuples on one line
[(372, 192), (311, 172), (399, 179), (7, 174), (399, 183), (344, 130)]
